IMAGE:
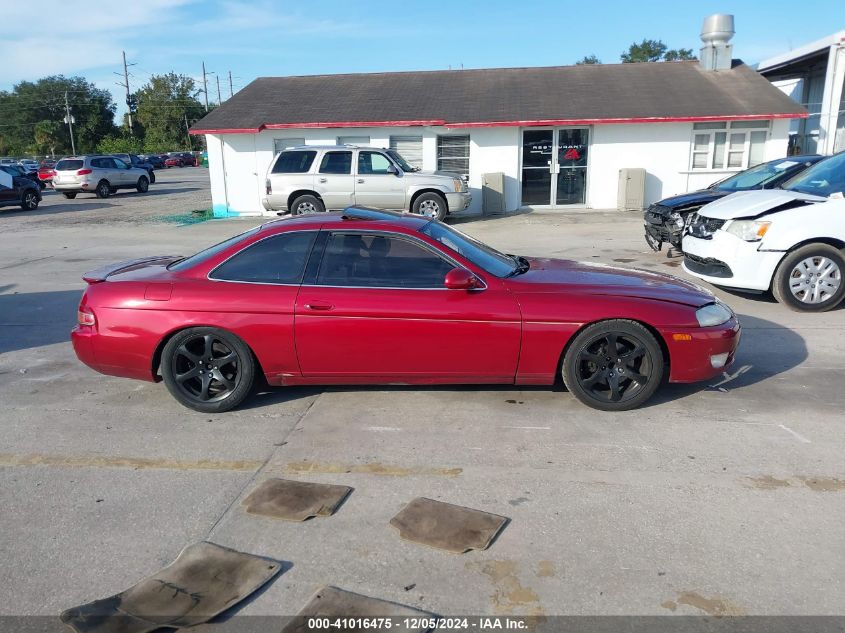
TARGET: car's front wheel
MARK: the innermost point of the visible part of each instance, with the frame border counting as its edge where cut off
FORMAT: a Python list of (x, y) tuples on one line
[(307, 204), (208, 369), (613, 365), (152, 177), (29, 200), (70, 195), (430, 205), (809, 279)]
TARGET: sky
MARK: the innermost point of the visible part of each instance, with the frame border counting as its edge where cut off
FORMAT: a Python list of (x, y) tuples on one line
[(265, 38)]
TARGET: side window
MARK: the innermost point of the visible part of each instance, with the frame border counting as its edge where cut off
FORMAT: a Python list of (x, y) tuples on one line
[(276, 260), (116, 162), (294, 162), (96, 163), (380, 261), (373, 163), (336, 163)]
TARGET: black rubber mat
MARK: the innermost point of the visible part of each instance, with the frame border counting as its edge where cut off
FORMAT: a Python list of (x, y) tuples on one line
[(445, 526), (203, 581)]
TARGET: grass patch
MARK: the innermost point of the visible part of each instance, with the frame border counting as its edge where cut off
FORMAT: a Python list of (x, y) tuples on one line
[(191, 217)]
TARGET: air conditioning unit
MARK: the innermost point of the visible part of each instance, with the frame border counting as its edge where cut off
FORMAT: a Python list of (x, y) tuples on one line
[(492, 193), (631, 193)]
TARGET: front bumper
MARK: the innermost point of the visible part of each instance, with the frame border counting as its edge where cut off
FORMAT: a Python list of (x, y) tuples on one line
[(458, 200), (698, 354), (726, 260)]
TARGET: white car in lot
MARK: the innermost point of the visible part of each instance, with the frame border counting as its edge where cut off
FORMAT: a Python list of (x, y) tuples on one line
[(789, 240)]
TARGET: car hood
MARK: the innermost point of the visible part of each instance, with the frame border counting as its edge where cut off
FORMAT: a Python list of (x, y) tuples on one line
[(691, 199), (750, 204), (556, 275)]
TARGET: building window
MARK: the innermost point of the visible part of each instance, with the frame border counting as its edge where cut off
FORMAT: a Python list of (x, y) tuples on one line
[(283, 143), (353, 140), (453, 154), (720, 145), (409, 148)]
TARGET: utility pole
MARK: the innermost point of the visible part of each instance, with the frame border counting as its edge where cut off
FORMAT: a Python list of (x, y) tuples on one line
[(205, 86), (69, 121), (188, 131), (231, 92), (125, 84), (219, 99)]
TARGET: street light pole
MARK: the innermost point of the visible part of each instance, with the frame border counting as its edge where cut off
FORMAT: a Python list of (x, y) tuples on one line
[(205, 86), (69, 121), (219, 100), (231, 92)]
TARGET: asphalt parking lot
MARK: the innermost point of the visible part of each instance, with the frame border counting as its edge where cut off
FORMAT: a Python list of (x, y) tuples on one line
[(718, 499)]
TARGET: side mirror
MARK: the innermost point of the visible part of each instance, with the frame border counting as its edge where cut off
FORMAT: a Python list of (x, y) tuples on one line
[(391, 169), (461, 279)]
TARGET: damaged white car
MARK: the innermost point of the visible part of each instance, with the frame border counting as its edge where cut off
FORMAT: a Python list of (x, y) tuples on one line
[(789, 240)]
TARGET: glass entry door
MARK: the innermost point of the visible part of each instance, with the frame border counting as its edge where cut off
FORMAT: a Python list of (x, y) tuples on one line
[(554, 167)]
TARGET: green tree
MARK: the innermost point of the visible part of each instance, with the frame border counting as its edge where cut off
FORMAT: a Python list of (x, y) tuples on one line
[(680, 54), (49, 135), (29, 103), (120, 144), (164, 104), (588, 59), (645, 51)]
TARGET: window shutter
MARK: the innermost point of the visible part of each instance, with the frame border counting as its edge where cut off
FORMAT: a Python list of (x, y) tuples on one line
[(410, 148)]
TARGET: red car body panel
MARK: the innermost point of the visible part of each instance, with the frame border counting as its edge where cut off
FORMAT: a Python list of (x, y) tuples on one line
[(513, 331)]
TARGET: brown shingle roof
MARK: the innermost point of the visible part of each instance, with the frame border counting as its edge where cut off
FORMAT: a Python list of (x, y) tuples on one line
[(612, 93)]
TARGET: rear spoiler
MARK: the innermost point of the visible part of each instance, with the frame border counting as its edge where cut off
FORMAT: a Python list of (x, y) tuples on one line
[(103, 273)]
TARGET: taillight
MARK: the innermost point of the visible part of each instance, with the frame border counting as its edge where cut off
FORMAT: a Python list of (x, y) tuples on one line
[(84, 172), (84, 316), (268, 186)]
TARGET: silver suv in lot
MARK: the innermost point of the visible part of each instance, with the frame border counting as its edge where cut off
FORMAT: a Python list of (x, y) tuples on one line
[(313, 178), (100, 175)]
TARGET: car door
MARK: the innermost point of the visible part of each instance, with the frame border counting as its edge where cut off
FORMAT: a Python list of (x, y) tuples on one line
[(378, 182), (122, 174), (334, 180), (377, 310), (8, 192)]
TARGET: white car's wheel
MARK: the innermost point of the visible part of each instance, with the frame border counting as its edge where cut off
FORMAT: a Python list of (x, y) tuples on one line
[(809, 279)]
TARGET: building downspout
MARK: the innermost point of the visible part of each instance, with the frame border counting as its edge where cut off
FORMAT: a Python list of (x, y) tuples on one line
[(832, 98)]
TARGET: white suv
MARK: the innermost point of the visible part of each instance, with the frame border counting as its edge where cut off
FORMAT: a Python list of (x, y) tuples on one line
[(311, 178), (790, 240), (100, 175)]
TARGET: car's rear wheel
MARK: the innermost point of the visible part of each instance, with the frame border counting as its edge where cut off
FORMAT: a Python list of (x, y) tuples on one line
[(103, 189), (430, 205), (208, 369), (143, 184), (613, 365), (809, 279), (29, 200), (304, 205), (69, 195)]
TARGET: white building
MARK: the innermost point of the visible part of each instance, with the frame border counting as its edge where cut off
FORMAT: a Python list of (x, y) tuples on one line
[(814, 76), (559, 135)]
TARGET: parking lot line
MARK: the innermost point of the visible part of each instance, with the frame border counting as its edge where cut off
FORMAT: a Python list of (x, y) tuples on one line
[(135, 463), (797, 435)]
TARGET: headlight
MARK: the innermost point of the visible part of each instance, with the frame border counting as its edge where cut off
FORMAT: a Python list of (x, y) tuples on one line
[(676, 219), (748, 230), (458, 184), (712, 314)]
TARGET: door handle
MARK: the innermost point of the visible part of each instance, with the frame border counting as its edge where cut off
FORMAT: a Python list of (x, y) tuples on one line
[(360, 180), (322, 180), (319, 306)]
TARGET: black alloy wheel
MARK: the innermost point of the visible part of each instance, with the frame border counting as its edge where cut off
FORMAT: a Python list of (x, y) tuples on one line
[(613, 365), (29, 200)]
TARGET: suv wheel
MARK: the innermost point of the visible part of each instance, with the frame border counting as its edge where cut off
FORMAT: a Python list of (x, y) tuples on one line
[(70, 195), (430, 205), (306, 204), (103, 189), (152, 176), (143, 185), (809, 279), (29, 200)]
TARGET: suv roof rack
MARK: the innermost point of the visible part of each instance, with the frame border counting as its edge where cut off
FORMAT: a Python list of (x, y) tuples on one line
[(368, 213)]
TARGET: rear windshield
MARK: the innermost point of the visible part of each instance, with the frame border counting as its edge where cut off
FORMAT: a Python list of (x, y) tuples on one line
[(69, 165), (294, 162), (193, 260)]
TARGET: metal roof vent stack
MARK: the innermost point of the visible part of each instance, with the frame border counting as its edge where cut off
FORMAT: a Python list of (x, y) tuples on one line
[(716, 34)]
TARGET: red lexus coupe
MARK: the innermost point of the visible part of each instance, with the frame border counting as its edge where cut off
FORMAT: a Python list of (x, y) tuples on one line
[(374, 297)]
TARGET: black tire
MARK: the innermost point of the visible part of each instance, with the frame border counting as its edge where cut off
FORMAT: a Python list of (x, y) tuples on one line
[(809, 279), (196, 371), (431, 205), (70, 195), (29, 200), (591, 371), (143, 185), (103, 189), (306, 204), (152, 177)]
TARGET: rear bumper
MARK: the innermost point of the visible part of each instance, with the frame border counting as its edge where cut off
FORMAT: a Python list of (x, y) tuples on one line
[(103, 356), (458, 201), (74, 187), (702, 353)]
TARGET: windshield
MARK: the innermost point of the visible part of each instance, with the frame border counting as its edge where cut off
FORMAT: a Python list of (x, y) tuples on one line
[(822, 179), (480, 254), (758, 176), (403, 164), (189, 262)]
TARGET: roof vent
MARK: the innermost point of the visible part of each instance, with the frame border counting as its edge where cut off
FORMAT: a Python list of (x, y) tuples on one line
[(716, 34)]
